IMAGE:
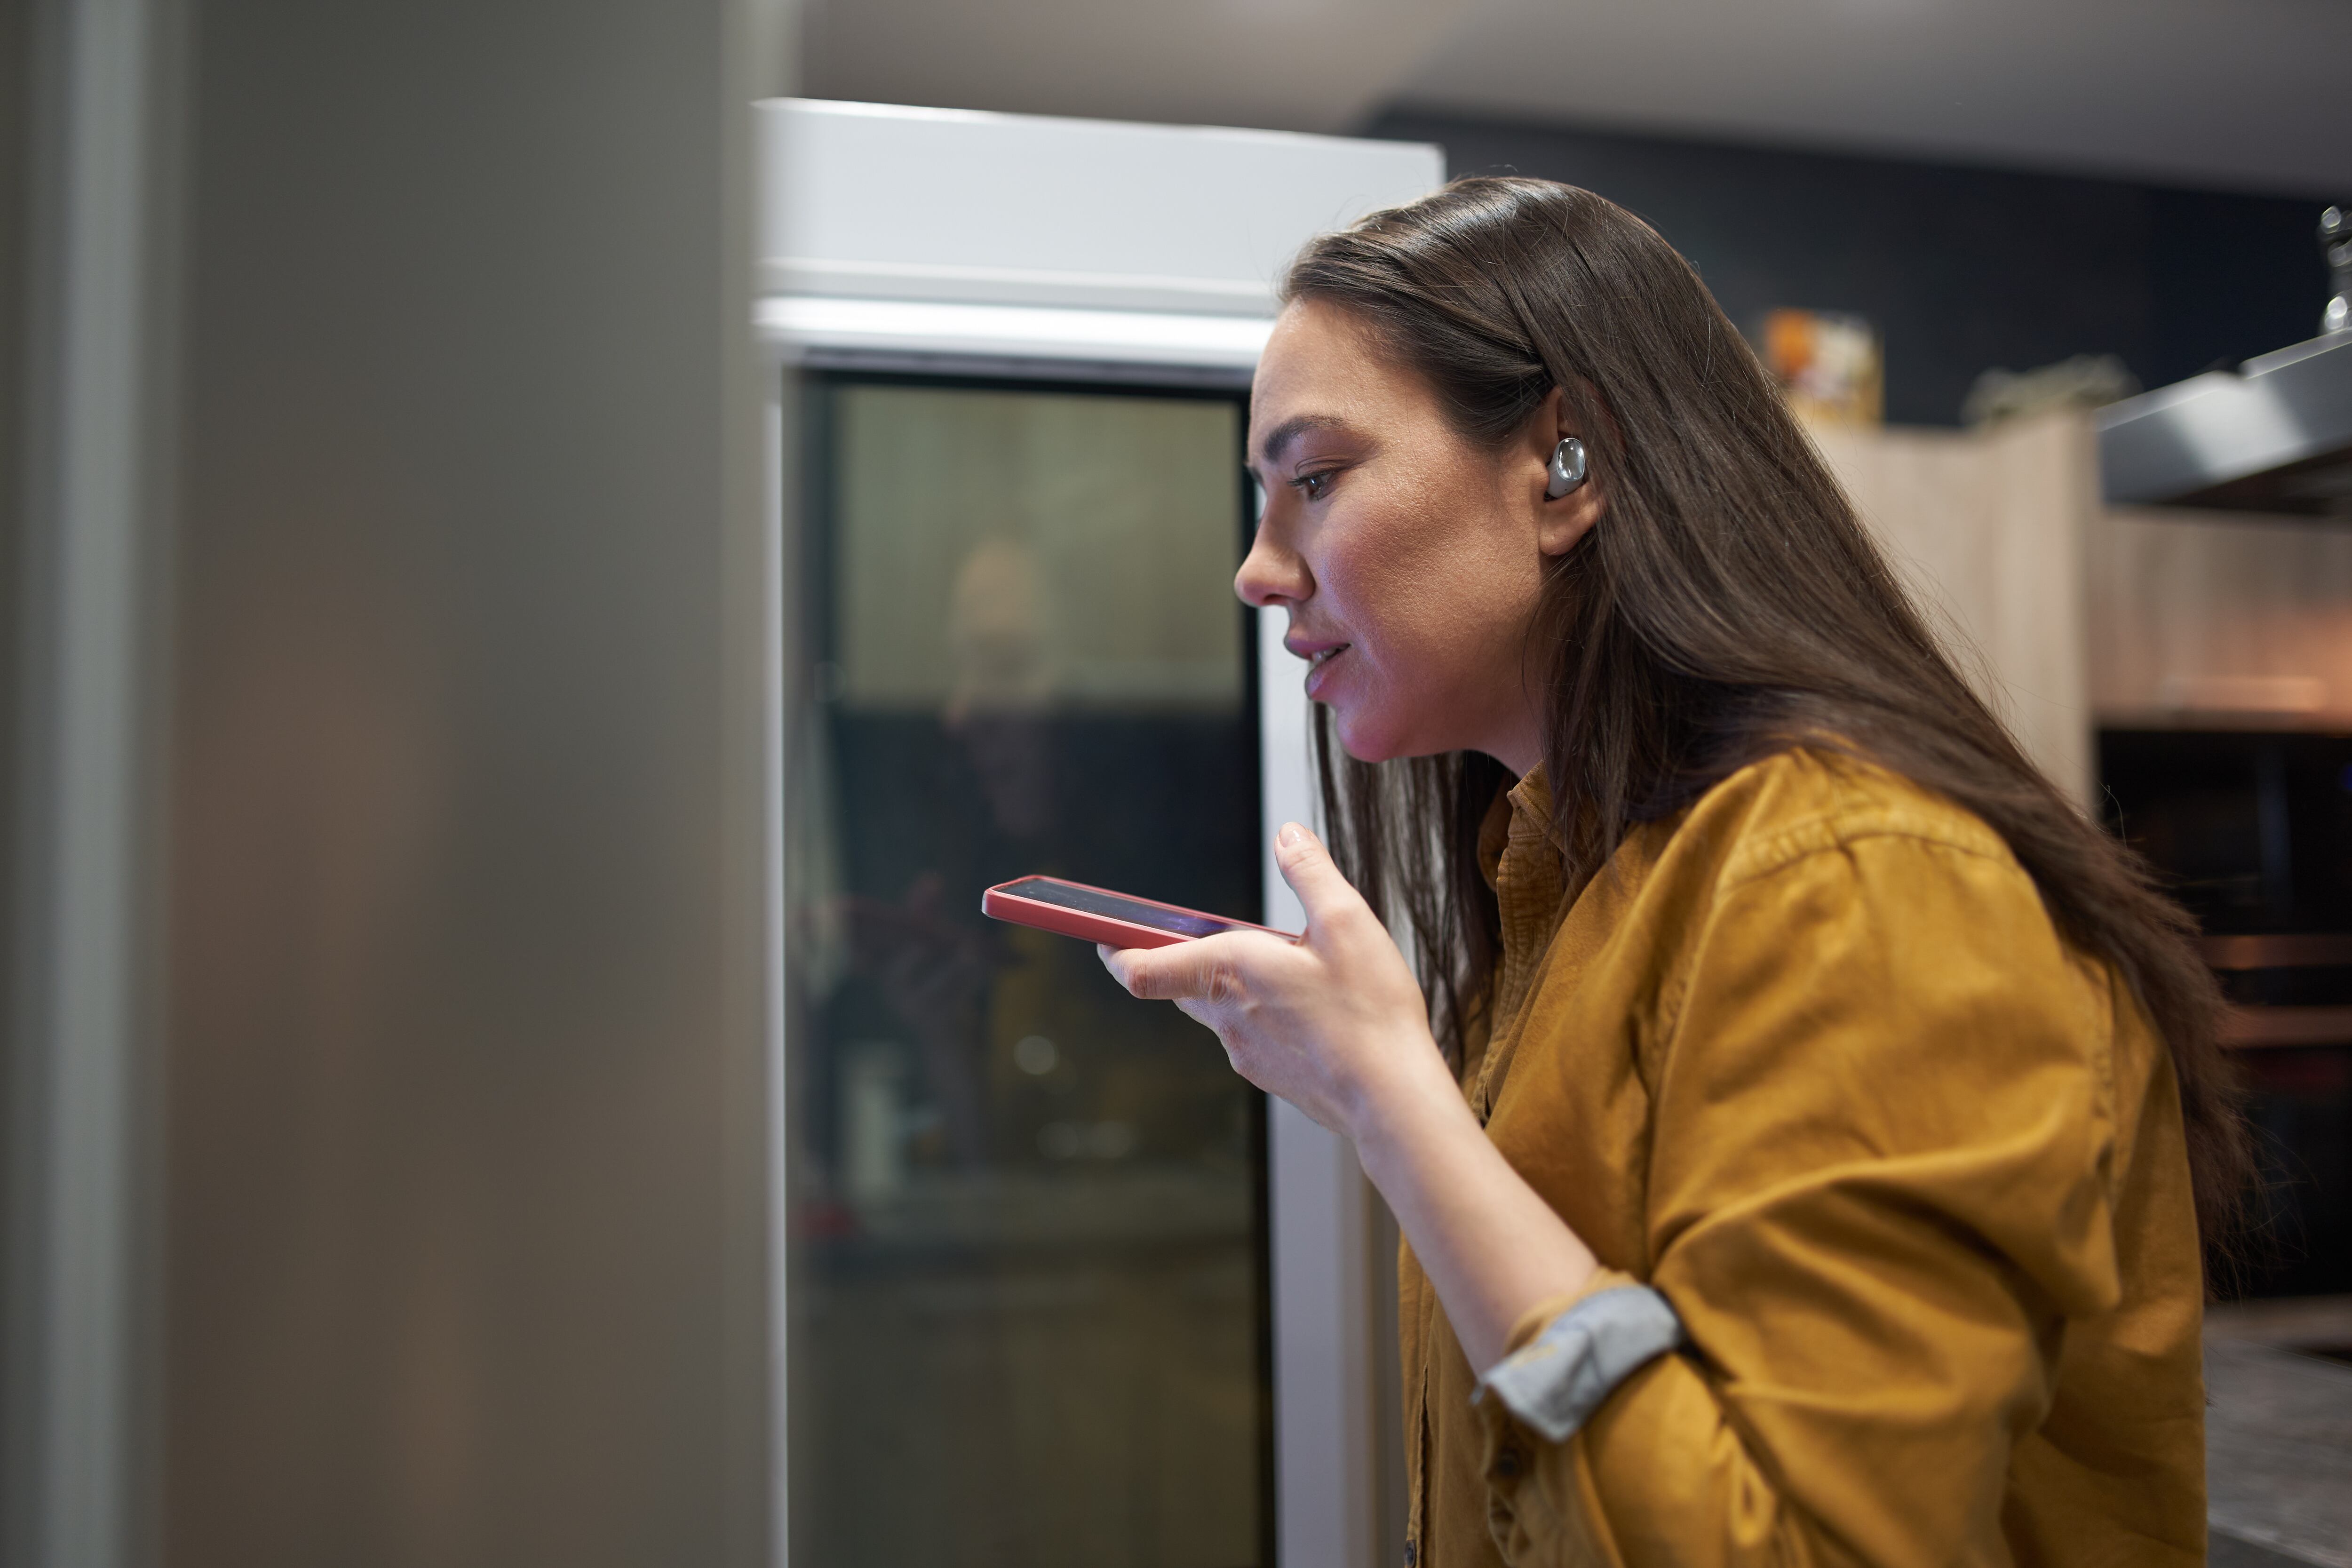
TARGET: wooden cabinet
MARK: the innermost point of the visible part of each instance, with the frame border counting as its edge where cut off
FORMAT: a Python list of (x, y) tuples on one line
[(2217, 620), (2070, 616), (1988, 530)]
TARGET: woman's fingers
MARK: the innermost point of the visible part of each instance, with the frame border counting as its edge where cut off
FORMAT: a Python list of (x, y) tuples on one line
[(1186, 971), (1306, 867)]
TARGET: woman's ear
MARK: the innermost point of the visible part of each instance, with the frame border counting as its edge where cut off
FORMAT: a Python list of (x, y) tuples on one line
[(1564, 519)]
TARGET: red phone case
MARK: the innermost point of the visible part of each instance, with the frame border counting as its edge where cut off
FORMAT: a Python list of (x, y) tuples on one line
[(998, 904)]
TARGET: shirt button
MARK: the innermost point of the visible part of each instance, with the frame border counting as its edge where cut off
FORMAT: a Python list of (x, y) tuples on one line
[(1412, 1554)]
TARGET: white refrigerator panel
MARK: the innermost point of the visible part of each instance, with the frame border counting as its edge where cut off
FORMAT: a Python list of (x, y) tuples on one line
[(887, 201)]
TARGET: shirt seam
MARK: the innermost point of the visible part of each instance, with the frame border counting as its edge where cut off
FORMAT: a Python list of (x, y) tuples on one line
[(1800, 841), (1675, 994)]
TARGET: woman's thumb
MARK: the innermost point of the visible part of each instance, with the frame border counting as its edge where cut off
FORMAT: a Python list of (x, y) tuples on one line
[(1306, 866)]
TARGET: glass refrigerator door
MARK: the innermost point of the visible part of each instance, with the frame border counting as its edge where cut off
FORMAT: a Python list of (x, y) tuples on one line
[(1027, 1318)]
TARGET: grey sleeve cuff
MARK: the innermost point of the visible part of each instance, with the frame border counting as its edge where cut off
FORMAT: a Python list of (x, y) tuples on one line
[(1556, 1380)]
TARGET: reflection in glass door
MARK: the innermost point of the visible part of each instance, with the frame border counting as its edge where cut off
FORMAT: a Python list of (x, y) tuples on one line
[(1027, 1316)]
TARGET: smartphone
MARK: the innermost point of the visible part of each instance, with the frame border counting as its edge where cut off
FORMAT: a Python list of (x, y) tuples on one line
[(1097, 914)]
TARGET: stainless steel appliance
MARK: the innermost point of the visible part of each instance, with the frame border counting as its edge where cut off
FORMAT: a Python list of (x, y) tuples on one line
[(2273, 435)]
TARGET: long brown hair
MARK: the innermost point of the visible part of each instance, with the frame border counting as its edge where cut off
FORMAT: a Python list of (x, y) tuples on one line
[(1729, 607)]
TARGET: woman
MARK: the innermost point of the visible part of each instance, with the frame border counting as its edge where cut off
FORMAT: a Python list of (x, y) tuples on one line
[(1801, 1156)]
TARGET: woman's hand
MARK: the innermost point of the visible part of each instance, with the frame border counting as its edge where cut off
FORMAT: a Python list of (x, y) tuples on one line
[(1333, 1023)]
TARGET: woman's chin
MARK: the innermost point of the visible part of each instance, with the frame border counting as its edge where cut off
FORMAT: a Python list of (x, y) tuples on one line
[(1365, 739), (1378, 738)]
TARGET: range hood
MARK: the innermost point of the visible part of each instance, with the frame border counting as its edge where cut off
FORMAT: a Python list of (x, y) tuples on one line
[(2274, 435)]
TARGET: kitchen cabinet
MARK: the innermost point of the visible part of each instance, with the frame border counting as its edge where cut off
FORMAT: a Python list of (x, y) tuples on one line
[(2071, 617), (1988, 532)]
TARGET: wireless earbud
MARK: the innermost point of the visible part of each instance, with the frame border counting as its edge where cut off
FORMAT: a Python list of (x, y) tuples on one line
[(1566, 468)]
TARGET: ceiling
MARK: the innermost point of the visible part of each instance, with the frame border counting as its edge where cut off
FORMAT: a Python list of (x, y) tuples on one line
[(2232, 94)]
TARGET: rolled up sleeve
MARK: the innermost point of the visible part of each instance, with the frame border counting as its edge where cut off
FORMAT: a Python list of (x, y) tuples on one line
[(1564, 1359), (1877, 1189)]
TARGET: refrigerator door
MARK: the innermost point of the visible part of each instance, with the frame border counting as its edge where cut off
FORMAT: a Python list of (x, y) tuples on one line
[(1028, 1289)]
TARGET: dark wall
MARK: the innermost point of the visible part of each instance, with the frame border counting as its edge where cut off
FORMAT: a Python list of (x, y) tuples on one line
[(1961, 269)]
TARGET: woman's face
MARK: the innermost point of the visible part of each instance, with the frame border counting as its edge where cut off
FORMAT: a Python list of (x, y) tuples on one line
[(1410, 561)]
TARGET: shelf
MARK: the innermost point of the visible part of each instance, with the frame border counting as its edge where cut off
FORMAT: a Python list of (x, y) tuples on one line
[(2248, 1028)]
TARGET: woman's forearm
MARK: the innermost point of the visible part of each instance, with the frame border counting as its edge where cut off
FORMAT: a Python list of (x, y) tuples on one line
[(1492, 1249)]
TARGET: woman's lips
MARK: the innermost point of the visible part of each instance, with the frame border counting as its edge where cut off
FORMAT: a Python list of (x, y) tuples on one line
[(1318, 668)]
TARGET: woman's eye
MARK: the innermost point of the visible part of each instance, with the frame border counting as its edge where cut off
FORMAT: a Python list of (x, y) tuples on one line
[(1312, 486)]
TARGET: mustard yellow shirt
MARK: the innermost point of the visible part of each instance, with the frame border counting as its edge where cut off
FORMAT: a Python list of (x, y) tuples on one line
[(1811, 1061)]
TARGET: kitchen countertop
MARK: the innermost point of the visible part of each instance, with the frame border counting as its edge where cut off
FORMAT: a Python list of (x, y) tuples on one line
[(2278, 1436)]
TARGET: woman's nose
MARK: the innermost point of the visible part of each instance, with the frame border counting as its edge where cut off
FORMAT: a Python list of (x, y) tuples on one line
[(1271, 574)]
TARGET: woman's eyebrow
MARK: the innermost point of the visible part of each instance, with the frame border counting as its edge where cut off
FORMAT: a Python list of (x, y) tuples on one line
[(1279, 439)]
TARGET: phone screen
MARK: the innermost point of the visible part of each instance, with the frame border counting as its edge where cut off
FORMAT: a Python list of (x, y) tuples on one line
[(1045, 891)]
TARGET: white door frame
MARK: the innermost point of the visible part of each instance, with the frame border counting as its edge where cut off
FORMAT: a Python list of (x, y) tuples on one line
[(1327, 1453)]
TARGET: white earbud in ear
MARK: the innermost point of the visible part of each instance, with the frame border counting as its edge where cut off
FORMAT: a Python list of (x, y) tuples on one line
[(1566, 468)]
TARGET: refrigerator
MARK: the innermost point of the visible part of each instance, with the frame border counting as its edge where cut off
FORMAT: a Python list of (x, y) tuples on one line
[(1054, 1285)]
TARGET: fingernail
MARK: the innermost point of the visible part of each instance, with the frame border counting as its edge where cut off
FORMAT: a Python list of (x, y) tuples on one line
[(1291, 834)]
